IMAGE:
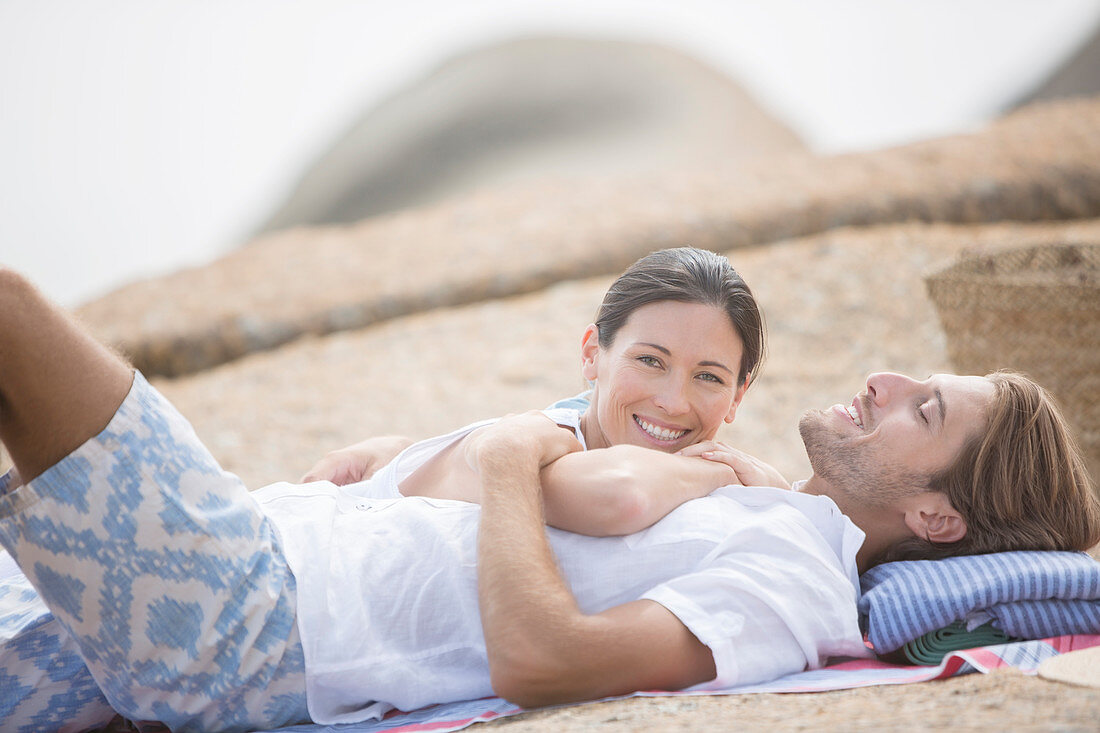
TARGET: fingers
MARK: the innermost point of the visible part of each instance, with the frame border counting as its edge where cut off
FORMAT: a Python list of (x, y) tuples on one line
[(750, 471), (341, 468), (321, 471), (703, 446), (712, 450), (357, 462), (736, 460)]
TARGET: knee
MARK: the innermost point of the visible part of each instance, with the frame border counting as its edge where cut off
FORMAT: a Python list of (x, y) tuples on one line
[(12, 280), (16, 290)]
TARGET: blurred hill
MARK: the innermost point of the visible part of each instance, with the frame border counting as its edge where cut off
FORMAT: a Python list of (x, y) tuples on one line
[(1078, 76), (528, 110)]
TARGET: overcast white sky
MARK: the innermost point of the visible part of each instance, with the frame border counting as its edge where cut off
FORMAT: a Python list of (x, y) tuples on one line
[(136, 136)]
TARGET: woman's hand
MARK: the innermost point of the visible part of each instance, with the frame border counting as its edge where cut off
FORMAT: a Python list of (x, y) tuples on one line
[(357, 462), (751, 471)]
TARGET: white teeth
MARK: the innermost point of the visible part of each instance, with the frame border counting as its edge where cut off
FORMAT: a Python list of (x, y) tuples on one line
[(855, 415), (660, 433)]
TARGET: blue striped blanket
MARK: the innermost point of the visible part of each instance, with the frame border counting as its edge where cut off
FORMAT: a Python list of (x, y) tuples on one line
[(1029, 595)]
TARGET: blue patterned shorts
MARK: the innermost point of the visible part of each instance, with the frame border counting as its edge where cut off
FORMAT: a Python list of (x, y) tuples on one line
[(160, 572)]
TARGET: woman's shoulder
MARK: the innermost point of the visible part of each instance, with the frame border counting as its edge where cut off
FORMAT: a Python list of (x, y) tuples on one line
[(577, 402), (567, 417)]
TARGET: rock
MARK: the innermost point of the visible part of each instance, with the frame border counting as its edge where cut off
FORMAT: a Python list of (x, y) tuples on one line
[(1038, 164), (839, 305)]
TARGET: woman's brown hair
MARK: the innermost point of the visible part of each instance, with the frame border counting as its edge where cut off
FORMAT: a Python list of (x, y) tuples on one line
[(687, 275)]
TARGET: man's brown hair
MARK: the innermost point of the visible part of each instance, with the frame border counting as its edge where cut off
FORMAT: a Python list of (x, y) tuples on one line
[(1020, 485)]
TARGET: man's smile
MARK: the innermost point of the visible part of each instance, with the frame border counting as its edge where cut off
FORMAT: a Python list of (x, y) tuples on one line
[(856, 411), (853, 413)]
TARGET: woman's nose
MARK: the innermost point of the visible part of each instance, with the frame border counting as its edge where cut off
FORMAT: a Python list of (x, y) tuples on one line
[(672, 398)]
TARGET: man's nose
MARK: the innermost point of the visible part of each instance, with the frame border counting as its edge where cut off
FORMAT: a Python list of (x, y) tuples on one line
[(885, 386)]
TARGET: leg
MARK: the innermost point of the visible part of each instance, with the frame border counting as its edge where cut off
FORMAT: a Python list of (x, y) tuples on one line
[(158, 564), (165, 572), (45, 684), (58, 386)]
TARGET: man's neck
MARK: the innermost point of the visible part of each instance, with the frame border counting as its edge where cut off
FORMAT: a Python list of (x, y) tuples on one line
[(879, 535)]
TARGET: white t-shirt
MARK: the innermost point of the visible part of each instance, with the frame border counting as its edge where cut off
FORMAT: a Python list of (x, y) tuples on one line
[(387, 588)]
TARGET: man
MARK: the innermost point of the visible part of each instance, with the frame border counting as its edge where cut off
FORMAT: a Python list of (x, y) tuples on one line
[(950, 465), (172, 587)]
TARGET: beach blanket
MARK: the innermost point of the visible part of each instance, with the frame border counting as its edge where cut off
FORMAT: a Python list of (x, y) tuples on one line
[(1025, 656), (1026, 595)]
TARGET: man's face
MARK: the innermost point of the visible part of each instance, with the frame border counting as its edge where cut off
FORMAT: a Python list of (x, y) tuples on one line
[(895, 435)]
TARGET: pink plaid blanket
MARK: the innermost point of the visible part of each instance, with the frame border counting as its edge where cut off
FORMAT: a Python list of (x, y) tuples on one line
[(1025, 656)]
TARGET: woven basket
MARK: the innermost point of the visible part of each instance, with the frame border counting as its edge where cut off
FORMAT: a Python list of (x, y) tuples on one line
[(1035, 310)]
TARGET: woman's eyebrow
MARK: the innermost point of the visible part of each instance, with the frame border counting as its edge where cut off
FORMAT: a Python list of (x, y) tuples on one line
[(666, 352), (660, 348), (940, 402), (718, 364)]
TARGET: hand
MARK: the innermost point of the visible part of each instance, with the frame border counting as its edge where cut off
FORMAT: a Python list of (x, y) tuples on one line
[(357, 462), (750, 471), (530, 434)]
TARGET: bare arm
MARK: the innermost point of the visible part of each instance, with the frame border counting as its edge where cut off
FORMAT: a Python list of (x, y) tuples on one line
[(542, 650), (611, 491), (625, 488)]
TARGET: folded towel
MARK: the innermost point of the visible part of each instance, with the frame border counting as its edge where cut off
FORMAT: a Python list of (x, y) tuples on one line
[(930, 649), (1029, 595)]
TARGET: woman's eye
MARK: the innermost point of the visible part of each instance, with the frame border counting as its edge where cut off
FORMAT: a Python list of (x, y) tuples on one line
[(708, 377), (649, 361), (920, 411)]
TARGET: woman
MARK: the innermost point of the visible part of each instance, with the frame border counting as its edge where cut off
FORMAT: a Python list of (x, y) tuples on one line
[(675, 345), (175, 585)]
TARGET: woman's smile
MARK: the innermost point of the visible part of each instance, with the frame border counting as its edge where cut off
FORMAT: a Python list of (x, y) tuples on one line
[(659, 433)]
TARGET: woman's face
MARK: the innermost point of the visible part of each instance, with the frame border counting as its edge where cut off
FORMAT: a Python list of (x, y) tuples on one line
[(669, 379)]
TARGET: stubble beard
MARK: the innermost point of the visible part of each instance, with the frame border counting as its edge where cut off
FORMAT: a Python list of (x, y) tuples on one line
[(855, 470)]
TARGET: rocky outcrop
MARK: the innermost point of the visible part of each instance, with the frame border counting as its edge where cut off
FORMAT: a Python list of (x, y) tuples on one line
[(839, 305), (1042, 163)]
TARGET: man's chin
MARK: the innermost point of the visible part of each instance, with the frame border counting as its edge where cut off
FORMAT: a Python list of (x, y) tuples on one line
[(825, 451), (809, 425)]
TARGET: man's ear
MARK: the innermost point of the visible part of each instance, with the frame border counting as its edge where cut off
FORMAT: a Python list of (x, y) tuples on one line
[(930, 516), (590, 352), (737, 397)]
